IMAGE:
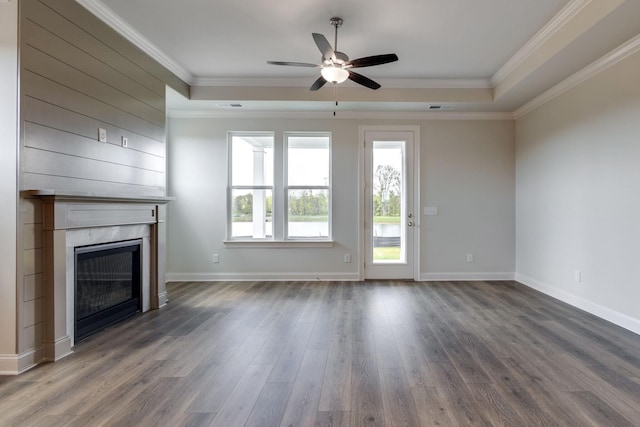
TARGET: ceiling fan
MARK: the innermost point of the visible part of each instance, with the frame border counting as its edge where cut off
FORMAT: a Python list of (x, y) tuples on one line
[(336, 66)]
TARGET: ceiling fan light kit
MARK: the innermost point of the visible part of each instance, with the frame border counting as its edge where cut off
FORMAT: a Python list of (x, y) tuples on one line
[(334, 74), (335, 66)]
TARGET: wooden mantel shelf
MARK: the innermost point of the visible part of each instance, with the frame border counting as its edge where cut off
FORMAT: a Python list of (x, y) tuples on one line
[(93, 197)]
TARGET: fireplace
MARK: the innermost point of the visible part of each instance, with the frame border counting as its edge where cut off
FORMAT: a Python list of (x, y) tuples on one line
[(73, 222), (108, 280)]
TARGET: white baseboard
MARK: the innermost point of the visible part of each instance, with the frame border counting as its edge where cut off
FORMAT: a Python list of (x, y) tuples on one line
[(463, 277), (30, 359), (253, 277), (218, 277), (56, 350), (9, 364), (605, 313), (14, 364)]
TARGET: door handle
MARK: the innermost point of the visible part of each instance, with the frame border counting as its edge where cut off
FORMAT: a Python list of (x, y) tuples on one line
[(410, 224)]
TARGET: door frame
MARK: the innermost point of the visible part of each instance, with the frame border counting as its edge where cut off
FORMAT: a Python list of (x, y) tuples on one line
[(362, 193)]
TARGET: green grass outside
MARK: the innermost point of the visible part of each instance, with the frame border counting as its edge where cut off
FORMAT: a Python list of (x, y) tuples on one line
[(386, 254), (386, 220)]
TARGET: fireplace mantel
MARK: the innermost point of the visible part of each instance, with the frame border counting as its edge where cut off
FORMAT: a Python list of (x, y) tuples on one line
[(94, 197), (69, 217)]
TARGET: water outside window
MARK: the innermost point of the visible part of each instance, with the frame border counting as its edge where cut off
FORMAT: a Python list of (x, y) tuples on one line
[(308, 169)]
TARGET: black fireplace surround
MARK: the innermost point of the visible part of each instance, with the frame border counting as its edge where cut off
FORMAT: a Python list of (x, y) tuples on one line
[(108, 278)]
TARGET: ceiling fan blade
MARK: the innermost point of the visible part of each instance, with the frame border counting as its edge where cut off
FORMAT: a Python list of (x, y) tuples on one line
[(372, 60), (324, 46), (364, 81), (318, 83), (294, 64)]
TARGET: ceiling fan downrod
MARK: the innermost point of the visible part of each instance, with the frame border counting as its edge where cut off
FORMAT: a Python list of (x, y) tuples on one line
[(337, 23)]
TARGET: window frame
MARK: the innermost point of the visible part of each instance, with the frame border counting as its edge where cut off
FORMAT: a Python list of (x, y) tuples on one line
[(287, 187), (231, 187), (279, 192)]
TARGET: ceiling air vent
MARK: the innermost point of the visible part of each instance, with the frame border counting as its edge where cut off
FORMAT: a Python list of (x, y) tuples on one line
[(230, 105), (439, 107)]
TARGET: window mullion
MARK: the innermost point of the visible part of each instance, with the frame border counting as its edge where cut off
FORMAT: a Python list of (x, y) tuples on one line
[(279, 181)]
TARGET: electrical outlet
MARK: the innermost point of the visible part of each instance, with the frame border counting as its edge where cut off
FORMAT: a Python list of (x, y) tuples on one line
[(102, 135), (215, 258), (469, 257), (578, 276), (125, 141), (347, 258)]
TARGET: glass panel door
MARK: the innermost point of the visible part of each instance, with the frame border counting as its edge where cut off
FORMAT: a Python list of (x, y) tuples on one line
[(389, 222), (388, 198)]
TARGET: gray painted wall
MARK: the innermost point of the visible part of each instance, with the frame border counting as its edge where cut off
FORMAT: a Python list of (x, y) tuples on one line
[(578, 182), (8, 181), (467, 171)]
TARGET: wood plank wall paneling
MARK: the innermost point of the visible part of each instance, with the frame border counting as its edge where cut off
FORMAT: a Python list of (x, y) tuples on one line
[(101, 31), (55, 117), (43, 40), (65, 75), (78, 75), (43, 138), (43, 88), (31, 322), (69, 21)]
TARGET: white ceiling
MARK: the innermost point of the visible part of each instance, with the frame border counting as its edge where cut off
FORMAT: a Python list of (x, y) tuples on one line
[(479, 56)]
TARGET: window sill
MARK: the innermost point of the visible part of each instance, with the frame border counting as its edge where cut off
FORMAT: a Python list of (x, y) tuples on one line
[(279, 243)]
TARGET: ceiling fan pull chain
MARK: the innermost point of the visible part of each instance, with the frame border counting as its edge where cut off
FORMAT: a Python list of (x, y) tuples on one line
[(335, 95)]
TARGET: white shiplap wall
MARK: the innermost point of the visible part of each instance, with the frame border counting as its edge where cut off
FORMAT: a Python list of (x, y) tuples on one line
[(78, 75)]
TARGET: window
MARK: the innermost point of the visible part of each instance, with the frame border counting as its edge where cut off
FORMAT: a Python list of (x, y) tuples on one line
[(279, 190), (251, 186), (308, 175)]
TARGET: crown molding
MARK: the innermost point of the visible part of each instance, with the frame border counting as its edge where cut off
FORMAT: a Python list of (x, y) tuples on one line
[(305, 82), (340, 115), (556, 23), (252, 81), (106, 15), (618, 54)]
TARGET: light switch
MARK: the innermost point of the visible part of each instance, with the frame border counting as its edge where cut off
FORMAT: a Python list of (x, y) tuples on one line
[(431, 210)]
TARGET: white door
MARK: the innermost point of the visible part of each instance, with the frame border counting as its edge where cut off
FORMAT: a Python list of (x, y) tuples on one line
[(390, 231)]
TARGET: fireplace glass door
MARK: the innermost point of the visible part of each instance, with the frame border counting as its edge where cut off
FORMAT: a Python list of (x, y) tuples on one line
[(107, 285)]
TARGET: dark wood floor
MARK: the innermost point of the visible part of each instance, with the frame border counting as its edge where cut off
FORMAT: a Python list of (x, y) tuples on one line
[(340, 354)]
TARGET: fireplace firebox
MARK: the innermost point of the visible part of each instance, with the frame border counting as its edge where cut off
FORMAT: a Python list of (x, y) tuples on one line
[(107, 285)]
